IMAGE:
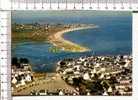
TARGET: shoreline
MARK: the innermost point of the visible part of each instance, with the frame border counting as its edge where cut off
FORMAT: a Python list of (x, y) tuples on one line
[(58, 40)]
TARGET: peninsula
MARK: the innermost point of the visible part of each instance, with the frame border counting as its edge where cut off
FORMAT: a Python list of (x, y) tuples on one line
[(52, 33)]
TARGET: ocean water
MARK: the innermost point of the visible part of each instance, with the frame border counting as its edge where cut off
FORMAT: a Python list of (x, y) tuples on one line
[(112, 37)]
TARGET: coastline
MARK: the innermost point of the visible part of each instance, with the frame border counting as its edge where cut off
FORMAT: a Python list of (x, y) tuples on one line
[(58, 40)]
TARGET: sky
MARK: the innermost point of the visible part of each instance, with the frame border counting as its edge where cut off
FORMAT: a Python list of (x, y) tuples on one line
[(67, 13)]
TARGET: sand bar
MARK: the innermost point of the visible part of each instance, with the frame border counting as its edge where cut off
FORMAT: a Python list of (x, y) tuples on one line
[(57, 39)]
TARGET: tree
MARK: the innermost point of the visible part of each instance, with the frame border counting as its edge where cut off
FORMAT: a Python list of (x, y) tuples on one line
[(24, 60), (96, 87), (14, 61), (77, 81)]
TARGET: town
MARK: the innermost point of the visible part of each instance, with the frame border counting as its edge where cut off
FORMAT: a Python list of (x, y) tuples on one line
[(98, 75), (91, 75)]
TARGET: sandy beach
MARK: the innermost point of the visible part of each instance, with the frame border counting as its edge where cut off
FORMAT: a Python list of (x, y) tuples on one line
[(57, 40)]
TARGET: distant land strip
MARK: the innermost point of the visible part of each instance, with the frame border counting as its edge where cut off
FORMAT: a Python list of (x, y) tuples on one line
[(50, 33)]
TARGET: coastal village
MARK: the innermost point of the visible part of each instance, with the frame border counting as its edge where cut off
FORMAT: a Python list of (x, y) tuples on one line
[(86, 75), (94, 75)]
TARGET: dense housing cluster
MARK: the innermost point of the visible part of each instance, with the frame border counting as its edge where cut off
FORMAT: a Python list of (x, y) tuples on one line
[(60, 92), (26, 82), (98, 75), (21, 72), (93, 75)]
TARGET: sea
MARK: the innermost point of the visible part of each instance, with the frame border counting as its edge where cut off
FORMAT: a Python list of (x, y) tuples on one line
[(112, 37)]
